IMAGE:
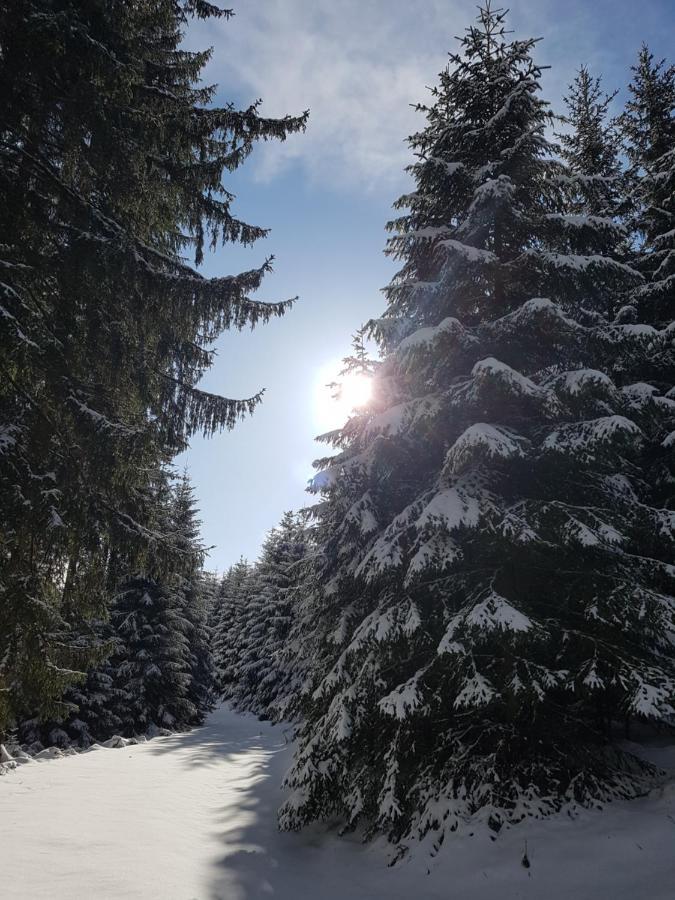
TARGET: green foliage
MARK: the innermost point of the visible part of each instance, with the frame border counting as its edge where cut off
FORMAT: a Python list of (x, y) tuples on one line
[(111, 163), (156, 668)]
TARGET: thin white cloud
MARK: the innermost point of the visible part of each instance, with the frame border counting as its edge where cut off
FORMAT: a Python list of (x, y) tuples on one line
[(353, 64), (359, 65)]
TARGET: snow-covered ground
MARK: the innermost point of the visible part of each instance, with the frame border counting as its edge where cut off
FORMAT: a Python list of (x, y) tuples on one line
[(192, 816)]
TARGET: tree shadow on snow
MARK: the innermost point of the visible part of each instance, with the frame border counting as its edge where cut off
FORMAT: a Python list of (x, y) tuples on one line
[(248, 759), (213, 743), (258, 861)]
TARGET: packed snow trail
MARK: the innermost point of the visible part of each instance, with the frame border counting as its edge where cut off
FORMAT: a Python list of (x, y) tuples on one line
[(192, 817)]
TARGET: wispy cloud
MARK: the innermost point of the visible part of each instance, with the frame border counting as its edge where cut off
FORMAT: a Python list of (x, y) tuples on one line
[(359, 65), (356, 65)]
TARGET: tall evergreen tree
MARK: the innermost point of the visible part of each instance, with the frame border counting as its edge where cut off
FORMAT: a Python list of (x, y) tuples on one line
[(594, 184), (648, 126), (494, 588), (193, 588), (93, 704), (162, 667), (205, 682), (229, 618), (151, 668), (261, 678), (591, 147), (111, 164), (156, 667)]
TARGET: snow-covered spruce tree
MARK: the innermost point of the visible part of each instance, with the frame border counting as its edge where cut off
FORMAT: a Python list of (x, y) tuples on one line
[(111, 165), (494, 590), (162, 665), (205, 681), (290, 654), (284, 660), (244, 658), (157, 665), (92, 703), (648, 126), (151, 669), (95, 703), (594, 184), (193, 589), (229, 618), (262, 676)]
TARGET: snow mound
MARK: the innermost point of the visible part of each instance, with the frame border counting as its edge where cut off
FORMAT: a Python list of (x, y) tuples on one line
[(49, 753)]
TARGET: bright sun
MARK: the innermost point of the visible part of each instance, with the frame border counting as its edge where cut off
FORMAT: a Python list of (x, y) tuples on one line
[(331, 411), (355, 390)]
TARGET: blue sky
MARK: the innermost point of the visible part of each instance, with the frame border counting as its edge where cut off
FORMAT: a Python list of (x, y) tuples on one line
[(327, 194)]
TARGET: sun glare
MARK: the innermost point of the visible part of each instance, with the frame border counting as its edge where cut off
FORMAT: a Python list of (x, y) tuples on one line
[(332, 409), (355, 391)]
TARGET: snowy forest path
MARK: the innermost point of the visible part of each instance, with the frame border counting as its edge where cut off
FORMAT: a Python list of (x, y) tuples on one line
[(191, 816)]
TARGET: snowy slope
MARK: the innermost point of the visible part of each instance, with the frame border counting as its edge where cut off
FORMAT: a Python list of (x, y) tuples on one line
[(192, 816)]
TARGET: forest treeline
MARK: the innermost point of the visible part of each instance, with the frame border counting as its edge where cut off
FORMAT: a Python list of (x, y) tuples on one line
[(481, 601)]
